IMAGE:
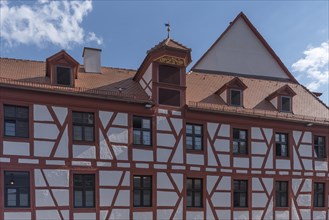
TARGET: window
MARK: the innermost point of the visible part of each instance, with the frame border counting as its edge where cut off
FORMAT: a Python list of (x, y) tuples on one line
[(84, 190), (142, 134), (194, 193), (240, 193), (16, 121), (194, 137), (169, 74), (285, 104), (142, 191), (281, 188), (169, 97), (240, 141), (235, 97), (63, 75), (319, 147), (318, 197), (281, 143), (17, 189), (83, 126)]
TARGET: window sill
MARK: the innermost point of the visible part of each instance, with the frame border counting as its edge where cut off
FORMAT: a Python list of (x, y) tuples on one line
[(281, 208), (14, 138), (241, 208), (142, 208), (194, 208), (10, 209), (240, 155), (320, 208), (85, 209), (193, 151), (83, 142)]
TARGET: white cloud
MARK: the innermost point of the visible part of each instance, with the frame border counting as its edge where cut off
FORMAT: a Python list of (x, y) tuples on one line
[(44, 21), (315, 66)]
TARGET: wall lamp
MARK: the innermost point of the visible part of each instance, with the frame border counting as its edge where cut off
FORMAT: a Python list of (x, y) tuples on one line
[(309, 124), (148, 106)]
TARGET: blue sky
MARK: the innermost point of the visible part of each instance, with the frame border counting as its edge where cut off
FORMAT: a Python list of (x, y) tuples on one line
[(124, 30)]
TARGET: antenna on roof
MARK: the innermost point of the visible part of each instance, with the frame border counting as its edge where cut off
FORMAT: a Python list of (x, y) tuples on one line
[(168, 29)]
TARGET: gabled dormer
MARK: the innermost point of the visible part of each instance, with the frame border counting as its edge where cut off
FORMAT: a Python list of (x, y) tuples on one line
[(232, 92), (282, 99), (162, 74), (62, 69)]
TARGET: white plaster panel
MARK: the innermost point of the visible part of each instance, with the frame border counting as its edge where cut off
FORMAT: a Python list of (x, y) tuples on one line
[(319, 215), (55, 162), (296, 135), (224, 130), (221, 199), (274, 102), (118, 135), (119, 214), (257, 162), (269, 160), (17, 215), (304, 200), (222, 145), (224, 214), (307, 137), (178, 156), (142, 215), (43, 198), (142, 83), (39, 181), (162, 124), (62, 149), (16, 148), (225, 183), (305, 213), (211, 181), (297, 165), (126, 179), (224, 160), (105, 117), (61, 196), (256, 185), (57, 177), (30, 161), (104, 164), (4, 160), (47, 131), (84, 151), (307, 164), (164, 214), (209, 213), (84, 216), (105, 152), (166, 198), (179, 211), (258, 148), (223, 95), (268, 134), (106, 197), (194, 215), (212, 127), (109, 178), (259, 200), (60, 113), (178, 179), (41, 113), (142, 155), (307, 186), (195, 159), (257, 214), (121, 119), (121, 152), (163, 155), (177, 113), (123, 198), (211, 156), (148, 91), (294, 214), (305, 150), (148, 74), (283, 164), (281, 215), (177, 123), (256, 133), (66, 214), (268, 182), (241, 215), (269, 211), (321, 165), (43, 148), (295, 185), (166, 140), (47, 214), (241, 162), (163, 181)]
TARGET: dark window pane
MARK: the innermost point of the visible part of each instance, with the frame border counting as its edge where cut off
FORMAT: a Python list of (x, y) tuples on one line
[(194, 137), (235, 97), (78, 198), (11, 197), (169, 74), (89, 133), (83, 126), (137, 122), (10, 111), (84, 190), (189, 198), (189, 129), (10, 128), (146, 123), (17, 189), (169, 97), (142, 191), (147, 197), (137, 137), (285, 104), (146, 138), (137, 181), (63, 76), (89, 198), (16, 121), (77, 133), (142, 131), (194, 191), (137, 197), (77, 117)]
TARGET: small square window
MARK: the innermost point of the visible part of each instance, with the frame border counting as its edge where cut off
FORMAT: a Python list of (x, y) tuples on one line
[(16, 121), (142, 131), (235, 97), (194, 137), (83, 126), (240, 141), (285, 104), (63, 75)]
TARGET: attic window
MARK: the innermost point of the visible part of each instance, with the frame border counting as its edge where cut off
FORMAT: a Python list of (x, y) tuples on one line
[(235, 97), (285, 103), (63, 75), (169, 74), (169, 97)]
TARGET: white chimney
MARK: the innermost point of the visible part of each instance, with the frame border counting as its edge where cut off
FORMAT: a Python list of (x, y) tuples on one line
[(92, 60)]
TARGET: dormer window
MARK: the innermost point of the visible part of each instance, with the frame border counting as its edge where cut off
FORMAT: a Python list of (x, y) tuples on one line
[(169, 97), (169, 74), (63, 75), (285, 103), (235, 97)]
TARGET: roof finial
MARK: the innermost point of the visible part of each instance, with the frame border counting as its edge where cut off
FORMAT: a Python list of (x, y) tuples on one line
[(168, 29)]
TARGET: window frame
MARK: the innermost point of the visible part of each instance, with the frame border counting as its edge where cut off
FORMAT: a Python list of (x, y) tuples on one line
[(278, 194), (230, 97), (142, 189), (84, 189), (239, 192), (70, 75), (172, 89), (193, 190), (141, 130), (239, 141), (316, 194), (280, 143), (290, 104), (26, 186), (178, 68), (15, 119), (193, 136), (83, 125), (316, 147)]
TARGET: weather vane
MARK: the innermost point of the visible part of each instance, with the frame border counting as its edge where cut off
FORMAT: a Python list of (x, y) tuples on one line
[(168, 29)]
